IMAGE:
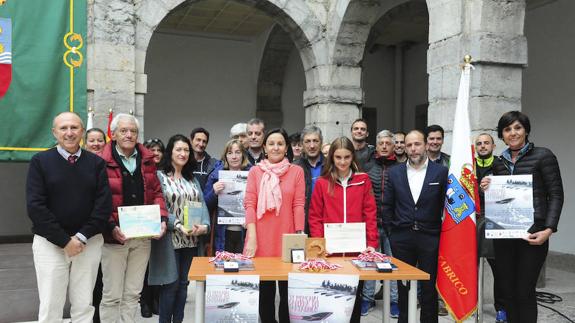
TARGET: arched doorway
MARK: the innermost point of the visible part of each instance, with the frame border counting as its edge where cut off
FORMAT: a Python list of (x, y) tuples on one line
[(214, 63)]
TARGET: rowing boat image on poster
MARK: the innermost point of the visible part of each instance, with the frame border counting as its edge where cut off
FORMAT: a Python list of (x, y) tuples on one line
[(232, 298), (509, 207), (321, 297), (231, 200)]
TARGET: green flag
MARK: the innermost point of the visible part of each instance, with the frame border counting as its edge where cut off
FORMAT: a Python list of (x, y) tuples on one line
[(42, 71)]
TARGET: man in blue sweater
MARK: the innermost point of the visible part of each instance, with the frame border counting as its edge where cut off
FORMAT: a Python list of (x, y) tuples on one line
[(69, 202)]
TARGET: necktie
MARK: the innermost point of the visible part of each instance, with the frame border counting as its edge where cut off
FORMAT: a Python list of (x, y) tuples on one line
[(72, 159)]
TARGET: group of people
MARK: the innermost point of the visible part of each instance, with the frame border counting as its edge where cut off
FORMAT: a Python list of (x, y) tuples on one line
[(295, 184)]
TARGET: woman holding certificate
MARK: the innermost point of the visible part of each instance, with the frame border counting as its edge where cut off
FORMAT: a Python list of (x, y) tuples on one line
[(172, 255), (274, 203), (343, 195), (519, 261), (227, 237)]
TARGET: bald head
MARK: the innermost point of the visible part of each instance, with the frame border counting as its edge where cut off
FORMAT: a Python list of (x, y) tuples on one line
[(68, 130)]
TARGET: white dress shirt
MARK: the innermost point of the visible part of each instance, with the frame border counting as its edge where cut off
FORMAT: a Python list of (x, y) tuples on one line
[(415, 177)]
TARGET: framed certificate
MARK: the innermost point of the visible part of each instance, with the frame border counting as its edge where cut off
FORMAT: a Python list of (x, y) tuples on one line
[(509, 207), (344, 237), (140, 221)]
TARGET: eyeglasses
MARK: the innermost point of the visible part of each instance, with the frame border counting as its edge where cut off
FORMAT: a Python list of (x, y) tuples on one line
[(153, 141)]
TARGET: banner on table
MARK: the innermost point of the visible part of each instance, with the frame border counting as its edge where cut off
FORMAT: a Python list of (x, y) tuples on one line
[(457, 261), (231, 200), (321, 297), (232, 298), (42, 71)]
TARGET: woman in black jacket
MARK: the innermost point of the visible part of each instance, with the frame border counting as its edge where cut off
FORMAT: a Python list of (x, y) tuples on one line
[(519, 261)]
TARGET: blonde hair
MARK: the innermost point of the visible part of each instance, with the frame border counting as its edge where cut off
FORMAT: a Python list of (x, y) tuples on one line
[(228, 146)]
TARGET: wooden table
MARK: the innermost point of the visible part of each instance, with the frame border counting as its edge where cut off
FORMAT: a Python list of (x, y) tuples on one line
[(272, 268)]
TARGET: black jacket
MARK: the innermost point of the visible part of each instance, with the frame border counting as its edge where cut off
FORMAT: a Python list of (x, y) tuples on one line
[(377, 169), (399, 209), (547, 184), (304, 163)]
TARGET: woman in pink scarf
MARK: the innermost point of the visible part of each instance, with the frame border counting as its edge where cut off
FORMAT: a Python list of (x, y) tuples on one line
[(274, 203)]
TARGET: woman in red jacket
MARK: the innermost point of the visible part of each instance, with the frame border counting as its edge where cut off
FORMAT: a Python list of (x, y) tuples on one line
[(343, 195)]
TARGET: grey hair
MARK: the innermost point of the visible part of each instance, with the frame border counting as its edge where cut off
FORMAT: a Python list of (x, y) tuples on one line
[(238, 129), (125, 117), (382, 134), (311, 129)]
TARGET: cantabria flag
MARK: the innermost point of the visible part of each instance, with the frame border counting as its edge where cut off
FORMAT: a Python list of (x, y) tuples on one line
[(42, 71), (457, 263)]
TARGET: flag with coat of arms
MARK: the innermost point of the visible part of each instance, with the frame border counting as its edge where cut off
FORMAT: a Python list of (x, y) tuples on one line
[(457, 261)]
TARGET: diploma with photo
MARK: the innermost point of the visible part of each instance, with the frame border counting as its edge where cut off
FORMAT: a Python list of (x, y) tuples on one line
[(344, 237), (140, 221), (509, 207)]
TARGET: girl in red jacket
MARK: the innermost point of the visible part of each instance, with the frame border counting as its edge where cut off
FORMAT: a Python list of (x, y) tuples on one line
[(343, 195)]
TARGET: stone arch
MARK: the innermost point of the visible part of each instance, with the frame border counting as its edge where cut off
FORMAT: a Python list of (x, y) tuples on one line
[(355, 24), (296, 18), (271, 76)]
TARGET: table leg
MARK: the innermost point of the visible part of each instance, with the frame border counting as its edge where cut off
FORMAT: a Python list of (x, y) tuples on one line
[(386, 301), (199, 315), (412, 302)]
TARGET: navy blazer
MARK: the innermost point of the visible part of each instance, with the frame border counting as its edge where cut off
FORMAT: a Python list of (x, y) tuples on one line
[(399, 209)]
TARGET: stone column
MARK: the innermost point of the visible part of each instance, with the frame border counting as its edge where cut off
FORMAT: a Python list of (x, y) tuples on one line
[(111, 78), (335, 100), (491, 31)]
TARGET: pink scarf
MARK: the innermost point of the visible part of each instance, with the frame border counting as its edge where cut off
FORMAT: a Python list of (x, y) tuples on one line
[(270, 195)]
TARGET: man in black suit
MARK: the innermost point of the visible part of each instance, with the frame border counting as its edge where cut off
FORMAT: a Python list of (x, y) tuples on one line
[(412, 210)]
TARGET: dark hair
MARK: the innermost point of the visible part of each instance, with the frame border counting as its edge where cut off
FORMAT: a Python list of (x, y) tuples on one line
[(154, 142), (433, 128), (358, 120), (95, 130), (200, 130), (419, 132), (295, 137), (399, 133), (166, 162), (508, 118), (282, 132), (329, 170)]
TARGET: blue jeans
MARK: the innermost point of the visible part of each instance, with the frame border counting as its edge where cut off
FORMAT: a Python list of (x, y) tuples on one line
[(173, 296), (369, 285)]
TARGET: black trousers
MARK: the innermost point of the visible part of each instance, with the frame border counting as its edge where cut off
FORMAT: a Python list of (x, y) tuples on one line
[(518, 265), (234, 241), (420, 249), (498, 303), (267, 307)]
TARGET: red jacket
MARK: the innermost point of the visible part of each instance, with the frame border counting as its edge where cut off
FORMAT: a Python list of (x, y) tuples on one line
[(356, 201), (152, 188)]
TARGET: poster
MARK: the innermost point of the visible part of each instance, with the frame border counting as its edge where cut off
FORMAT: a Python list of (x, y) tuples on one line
[(509, 207), (232, 298), (321, 297), (231, 200)]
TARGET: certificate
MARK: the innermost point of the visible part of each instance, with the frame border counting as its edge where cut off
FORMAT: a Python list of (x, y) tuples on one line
[(140, 221), (509, 207), (344, 237)]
